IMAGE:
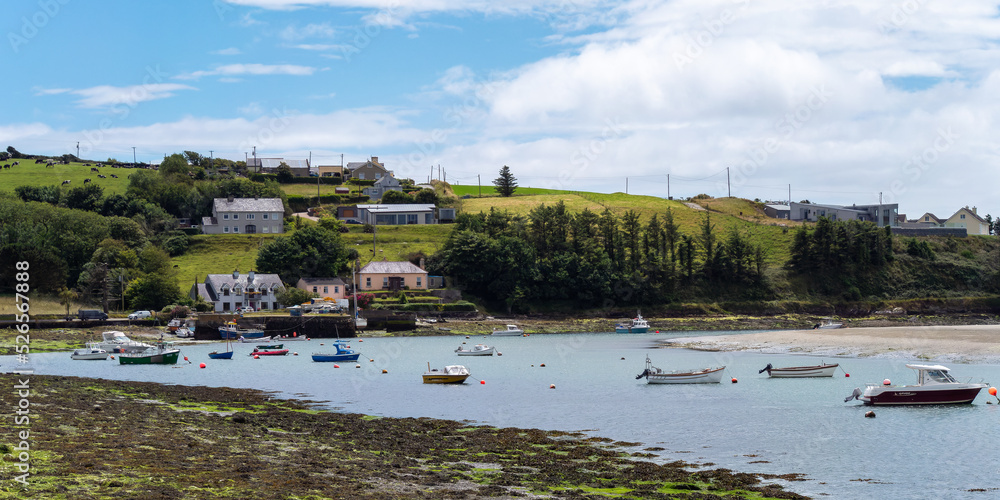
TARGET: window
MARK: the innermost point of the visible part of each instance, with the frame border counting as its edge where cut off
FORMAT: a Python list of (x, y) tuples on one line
[(418, 280), (236, 216), (251, 216), (325, 290), (314, 289), (368, 282), (265, 216), (251, 229), (225, 306), (385, 282), (428, 218), (361, 175), (266, 229), (336, 289), (276, 217), (275, 229), (225, 216), (402, 281), (263, 305), (236, 229), (961, 216), (263, 291), (225, 229), (238, 291), (378, 175)]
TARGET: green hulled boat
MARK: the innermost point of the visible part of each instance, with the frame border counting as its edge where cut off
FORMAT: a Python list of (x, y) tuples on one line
[(159, 354)]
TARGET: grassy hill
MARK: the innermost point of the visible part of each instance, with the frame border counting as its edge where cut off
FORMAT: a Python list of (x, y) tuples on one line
[(726, 213), (28, 173)]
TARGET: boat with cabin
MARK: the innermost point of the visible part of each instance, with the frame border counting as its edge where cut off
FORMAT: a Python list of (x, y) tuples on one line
[(91, 352), (159, 354), (343, 353), (476, 350), (231, 330), (116, 342), (452, 374), (510, 330), (634, 325), (935, 386)]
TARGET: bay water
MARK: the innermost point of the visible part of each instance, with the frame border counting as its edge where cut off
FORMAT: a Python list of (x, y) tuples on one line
[(758, 424)]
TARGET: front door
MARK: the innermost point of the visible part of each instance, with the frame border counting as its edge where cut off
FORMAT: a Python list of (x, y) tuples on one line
[(250, 229)]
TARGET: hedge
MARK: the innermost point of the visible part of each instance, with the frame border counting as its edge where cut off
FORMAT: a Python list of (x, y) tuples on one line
[(297, 180)]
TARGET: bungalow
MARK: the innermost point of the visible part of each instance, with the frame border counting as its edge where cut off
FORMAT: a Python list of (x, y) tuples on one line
[(245, 215), (229, 292), (403, 213), (333, 288), (881, 215), (387, 275)]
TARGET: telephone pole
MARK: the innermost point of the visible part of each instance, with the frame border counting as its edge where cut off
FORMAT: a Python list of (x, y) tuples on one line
[(728, 186), (479, 180), (668, 187), (77, 150), (211, 153), (133, 156)]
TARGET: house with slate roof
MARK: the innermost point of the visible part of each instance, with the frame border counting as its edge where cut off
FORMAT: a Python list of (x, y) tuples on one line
[(386, 275), (229, 292), (333, 288), (367, 170), (383, 185), (245, 216)]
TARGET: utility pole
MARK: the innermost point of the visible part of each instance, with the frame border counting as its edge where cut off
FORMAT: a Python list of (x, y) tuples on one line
[(789, 196), (133, 155), (479, 180), (728, 186), (668, 187), (626, 185), (211, 153), (77, 150), (255, 156), (439, 171)]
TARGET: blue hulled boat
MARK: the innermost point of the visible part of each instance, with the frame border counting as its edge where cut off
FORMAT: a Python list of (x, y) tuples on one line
[(342, 354)]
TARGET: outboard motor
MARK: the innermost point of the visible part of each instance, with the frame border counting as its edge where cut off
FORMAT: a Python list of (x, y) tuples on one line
[(854, 395), (766, 369), (643, 374)]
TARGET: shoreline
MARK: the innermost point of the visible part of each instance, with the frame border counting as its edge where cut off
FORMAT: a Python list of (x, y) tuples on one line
[(958, 343), (95, 438)]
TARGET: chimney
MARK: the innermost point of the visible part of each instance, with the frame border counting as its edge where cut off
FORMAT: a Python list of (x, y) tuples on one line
[(974, 210), (374, 159), (421, 263), (236, 274), (250, 278), (230, 198)]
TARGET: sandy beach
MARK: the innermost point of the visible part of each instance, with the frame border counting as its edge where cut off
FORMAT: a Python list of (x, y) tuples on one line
[(963, 343)]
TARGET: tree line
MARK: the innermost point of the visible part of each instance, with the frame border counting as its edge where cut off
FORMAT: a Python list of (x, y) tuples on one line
[(553, 256)]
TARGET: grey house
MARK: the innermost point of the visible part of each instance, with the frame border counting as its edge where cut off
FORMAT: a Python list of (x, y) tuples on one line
[(245, 216), (882, 215), (228, 292), (385, 184), (367, 170)]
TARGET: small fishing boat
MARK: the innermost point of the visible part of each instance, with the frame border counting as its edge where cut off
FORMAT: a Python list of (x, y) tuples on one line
[(270, 347), (511, 330), (634, 325), (116, 342), (935, 386), (820, 370), (223, 355), (453, 374), (828, 324), (159, 354), (269, 352), (231, 330), (343, 353), (91, 352), (655, 375), (259, 340), (477, 350)]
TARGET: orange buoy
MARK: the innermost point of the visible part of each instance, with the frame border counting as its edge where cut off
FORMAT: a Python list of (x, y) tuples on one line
[(295, 354), (336, 366), (482, 382), (371, 360), (361, 340), (552, 386), (542, 365), (657, 331), (385, 371), (357, 366), (993, 391), (734, 380), (256, 356), (886, 382), (112, 356), (499, 353), (185, 358), (201, 365), (847, 375)]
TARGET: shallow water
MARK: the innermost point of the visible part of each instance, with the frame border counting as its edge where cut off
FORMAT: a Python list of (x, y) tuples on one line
[(775, 426)]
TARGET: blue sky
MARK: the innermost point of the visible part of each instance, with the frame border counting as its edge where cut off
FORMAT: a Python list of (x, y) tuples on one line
[(843, 100)]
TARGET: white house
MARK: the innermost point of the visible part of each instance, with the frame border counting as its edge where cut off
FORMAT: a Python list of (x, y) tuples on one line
[(384, 184), (229, 292)]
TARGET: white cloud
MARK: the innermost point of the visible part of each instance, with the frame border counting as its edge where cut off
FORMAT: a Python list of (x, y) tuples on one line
[(231, 51), (312, 30), (250, 69), (320, 46), (108, 95), (917, 68)]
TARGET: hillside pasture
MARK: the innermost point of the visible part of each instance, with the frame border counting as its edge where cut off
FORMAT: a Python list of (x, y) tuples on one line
[(29, 173)]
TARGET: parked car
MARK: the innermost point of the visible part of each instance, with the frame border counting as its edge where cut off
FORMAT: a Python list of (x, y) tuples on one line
[(91, 314), (247, 309), (140, 315), (351, 221)]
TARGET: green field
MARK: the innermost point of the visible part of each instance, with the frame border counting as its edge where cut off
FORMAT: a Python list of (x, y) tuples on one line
[(491, 191), (28, 173)]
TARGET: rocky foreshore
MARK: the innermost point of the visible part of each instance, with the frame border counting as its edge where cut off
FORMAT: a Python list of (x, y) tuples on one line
[(92, 439)]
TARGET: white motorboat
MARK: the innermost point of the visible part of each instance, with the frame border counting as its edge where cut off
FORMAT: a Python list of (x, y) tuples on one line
[(655, 375), (117, 342), (635, 325), (91, 352), (934, 386), (452, 374), (476, 350), (511, 330), (828, 324), (820, 370)]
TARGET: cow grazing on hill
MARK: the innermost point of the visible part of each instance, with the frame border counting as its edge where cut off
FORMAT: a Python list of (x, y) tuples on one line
[(86, 181), (65, 182), (114, 176), (101, 176), (94, 169)]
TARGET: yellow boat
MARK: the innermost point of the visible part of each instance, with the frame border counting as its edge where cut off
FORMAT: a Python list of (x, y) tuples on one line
[(453, 374)]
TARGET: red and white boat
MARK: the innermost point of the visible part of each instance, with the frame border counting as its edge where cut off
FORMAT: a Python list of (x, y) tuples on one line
[(935, 386), (821, 370)]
